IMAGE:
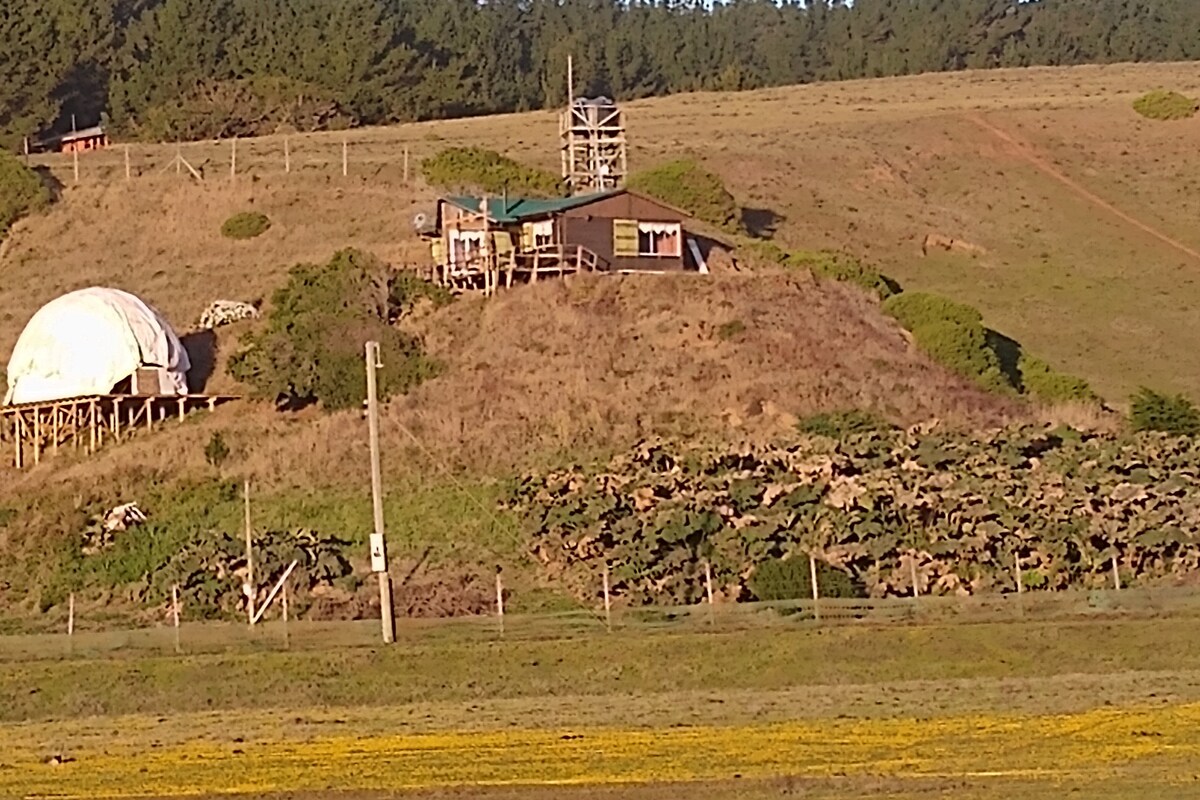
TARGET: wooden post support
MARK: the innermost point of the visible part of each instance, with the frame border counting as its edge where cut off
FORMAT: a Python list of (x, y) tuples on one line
[(816, 590), (93, 413), (54, 428), (1116, 574), (127, 170), (233, 159), (18, 436), (249, 588), (71, 615), (1017, 573), (500, 599), (912, 569), (287, 155), (406, 165), (26, 151), (175, 614), (178, 159), (75, 163), (607, 602), (345, 157), (37, 436), (287, 642)]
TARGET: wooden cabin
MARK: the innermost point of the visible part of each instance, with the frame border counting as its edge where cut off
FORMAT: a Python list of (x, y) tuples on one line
[(477, 242), (82, 141)]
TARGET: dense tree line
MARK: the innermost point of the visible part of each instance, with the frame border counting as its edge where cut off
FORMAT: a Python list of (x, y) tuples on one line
[(164, 69)]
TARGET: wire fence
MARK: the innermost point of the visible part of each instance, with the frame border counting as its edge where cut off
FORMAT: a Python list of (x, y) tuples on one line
[(1077, 606), (341, 156)]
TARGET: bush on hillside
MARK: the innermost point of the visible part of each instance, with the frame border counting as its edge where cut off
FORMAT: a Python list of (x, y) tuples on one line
[(688, 186), (1167, 106), (791, 579), (246, 225), (459, 168), (21, 191), (840, 424), (1043, 382), (831, 265), (952, 334), (1176, 415), (310, 347)]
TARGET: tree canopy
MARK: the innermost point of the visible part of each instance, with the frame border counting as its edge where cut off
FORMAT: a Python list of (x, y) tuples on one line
[(167, 69)]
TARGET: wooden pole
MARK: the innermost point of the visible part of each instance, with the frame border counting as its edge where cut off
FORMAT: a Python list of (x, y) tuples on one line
[(127, 171), (816, 590), (1017, 573), (709, 591), (175, 613), (912, 569), (287, 642), (250, 589), (178, 159), (26, 151), (500, 600), (386, 610), (75, 163), (71, 615), (406, 165), (1116, 574), (607, 602), (37, 436), (287, 155), (345, 157), (233, 159)]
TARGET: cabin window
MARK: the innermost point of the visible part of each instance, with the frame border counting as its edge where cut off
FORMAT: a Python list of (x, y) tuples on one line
[(543, 233), (660, 239), (625, 238), (465, 246)]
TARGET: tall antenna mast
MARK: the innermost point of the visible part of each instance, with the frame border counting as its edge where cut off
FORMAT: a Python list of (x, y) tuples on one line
[(570, 81)]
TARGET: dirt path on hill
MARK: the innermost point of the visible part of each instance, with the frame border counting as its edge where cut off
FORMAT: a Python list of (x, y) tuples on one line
[(1028, 153)]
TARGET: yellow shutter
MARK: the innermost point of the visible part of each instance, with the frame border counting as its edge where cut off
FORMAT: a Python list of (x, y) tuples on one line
[(527, 236), (625, 237)]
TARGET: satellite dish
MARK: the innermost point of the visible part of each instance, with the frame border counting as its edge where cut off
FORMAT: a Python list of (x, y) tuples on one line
[(419, 221)]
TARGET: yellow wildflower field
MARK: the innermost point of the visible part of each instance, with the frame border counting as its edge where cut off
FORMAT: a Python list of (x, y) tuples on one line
[(1161, 743)]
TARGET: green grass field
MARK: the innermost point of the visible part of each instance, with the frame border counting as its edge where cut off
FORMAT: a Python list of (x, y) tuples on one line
[(977, 710)]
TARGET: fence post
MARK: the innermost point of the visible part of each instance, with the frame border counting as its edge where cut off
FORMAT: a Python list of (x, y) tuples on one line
[(287, 155), (127, 173), (1116, 574), (816, 591), (607, 602), (345, 157), (233, 158), (912, 569), (75, 163), (175, 614), (71, 615), (287, 641), (406, 165), (712, 620), (500, 600)]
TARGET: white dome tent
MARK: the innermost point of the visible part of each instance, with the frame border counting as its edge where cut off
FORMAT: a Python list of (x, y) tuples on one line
[(87, 342)]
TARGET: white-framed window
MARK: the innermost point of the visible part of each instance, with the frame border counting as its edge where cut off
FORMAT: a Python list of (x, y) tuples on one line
[(543, 233), (664, 239), (465, 245)]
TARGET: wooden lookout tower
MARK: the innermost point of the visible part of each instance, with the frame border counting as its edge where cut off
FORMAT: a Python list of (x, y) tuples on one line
[(594, 148)]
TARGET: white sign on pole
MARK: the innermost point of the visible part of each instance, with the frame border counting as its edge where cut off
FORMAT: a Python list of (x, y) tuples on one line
[(378, 554)]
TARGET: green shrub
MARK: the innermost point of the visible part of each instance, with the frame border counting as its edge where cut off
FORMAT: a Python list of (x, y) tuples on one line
[(245, 225), (21, 192), (687, 185), (791, 579), (486, 170), (216, 452), (731, 329), (310, 347), (846, 268), (839, 424), (1175, 415), (953, 334), (1042, 381), (1164, 105)]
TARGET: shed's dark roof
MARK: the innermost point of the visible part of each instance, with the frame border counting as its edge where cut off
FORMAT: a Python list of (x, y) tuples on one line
[(518, 209)]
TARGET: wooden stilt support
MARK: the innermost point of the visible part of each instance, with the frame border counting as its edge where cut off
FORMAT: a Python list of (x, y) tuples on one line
[(92, 413), (116, 419), (18, 439), (182, 408), (149, 409), (37, 436)]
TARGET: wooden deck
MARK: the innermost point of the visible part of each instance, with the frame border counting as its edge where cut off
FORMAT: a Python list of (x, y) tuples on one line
[(486, 271), (37, 429)]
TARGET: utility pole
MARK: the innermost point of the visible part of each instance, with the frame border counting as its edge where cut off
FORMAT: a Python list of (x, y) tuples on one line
[(249, 587), (379, 562)]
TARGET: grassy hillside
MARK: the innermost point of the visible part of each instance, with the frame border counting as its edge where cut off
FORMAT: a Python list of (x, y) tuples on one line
[(1039, 196)]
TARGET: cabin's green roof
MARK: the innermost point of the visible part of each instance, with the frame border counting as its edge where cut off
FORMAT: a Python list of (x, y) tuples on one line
[(518, 209)]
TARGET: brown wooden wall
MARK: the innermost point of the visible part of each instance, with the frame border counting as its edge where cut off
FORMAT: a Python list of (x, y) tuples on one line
[(592, 227)]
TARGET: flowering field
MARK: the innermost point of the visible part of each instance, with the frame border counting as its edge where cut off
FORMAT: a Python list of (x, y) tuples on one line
[(1158, 745)]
